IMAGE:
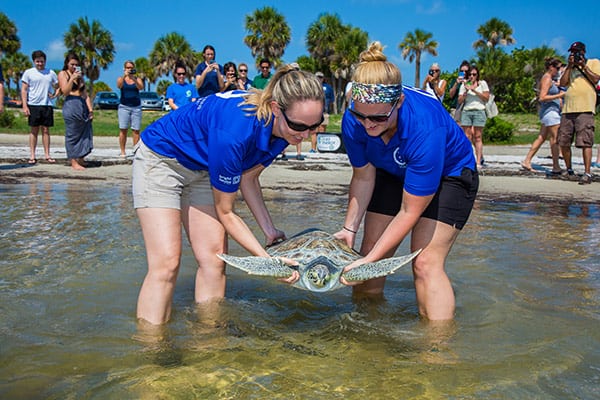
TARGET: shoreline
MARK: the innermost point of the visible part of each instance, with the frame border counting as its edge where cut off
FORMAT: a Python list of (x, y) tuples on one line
[(501, 180)]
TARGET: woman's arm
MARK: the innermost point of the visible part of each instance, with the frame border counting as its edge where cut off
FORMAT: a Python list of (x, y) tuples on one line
[(440, 88), (359, 196), (545, 84)]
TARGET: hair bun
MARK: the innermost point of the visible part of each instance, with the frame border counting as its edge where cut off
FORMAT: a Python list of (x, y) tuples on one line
[(373, 53)]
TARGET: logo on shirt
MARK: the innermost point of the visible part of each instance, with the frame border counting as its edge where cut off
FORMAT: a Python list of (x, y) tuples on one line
[(229, 180), (398, 159)]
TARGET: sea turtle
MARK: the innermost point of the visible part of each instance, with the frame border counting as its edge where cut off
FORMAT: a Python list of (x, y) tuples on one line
[(321, 259)]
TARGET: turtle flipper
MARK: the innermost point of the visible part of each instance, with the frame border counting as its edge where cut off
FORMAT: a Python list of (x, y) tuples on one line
[(378, 269), (263, 266)]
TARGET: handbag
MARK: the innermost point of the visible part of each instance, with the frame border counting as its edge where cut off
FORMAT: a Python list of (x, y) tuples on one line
[(491, 110), (458, 112)]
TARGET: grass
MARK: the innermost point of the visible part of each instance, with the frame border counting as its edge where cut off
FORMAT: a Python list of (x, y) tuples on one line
[(106, 124)]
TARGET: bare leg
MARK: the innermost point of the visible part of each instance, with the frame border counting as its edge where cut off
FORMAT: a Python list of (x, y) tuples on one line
[(161, 228), (566, 152), (122, 141), (46, 141), (554, 150), (535, 146), (435, 296), (375, 224), (77, 165), (33, 137), (587, 159), (208, 238), (478, 142), (136, 136)]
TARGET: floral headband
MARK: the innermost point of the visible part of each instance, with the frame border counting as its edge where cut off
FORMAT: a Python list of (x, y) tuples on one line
[(370, 93)]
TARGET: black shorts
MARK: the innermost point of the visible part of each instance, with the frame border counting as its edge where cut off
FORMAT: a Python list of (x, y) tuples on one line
[(41, 115), (451, 204)]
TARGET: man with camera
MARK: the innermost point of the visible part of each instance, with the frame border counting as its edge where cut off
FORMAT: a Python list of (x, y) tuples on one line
[(580, 78)]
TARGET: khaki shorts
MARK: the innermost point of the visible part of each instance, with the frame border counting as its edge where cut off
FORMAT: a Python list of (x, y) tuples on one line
[(161, 182), (580, 125)]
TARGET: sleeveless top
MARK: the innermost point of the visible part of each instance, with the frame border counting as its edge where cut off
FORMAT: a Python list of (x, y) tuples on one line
[(130, 94), (430, 90), (78, 86), (551, 105)]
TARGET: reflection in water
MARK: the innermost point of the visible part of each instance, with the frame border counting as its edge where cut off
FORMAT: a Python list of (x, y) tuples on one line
[(526, 280)]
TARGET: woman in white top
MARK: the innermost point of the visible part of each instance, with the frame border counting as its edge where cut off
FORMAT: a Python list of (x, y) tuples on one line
[(433, 84), (474, 93)]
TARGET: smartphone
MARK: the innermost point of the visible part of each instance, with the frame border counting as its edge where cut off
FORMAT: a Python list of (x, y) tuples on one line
[(461, 75), (78, 69)]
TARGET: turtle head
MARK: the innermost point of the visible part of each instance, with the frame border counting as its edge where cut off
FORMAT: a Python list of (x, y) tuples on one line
[(320, 275)]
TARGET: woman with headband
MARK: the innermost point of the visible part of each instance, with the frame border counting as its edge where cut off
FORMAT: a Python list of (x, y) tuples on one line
[(413, 172), (187, 170)]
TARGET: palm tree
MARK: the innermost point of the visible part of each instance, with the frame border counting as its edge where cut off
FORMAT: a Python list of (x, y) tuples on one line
[(268, 36), (168, 50), (94, 46), (145, 71), (493, 33), (9, 41), (13, 66), (321, 39), (414, 45), (348, 48)]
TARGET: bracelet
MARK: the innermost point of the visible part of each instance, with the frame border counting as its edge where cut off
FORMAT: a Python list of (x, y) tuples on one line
[(349, 230)]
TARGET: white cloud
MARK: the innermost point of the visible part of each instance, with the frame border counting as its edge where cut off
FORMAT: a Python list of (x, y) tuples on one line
[(56, 50), (435, 7)]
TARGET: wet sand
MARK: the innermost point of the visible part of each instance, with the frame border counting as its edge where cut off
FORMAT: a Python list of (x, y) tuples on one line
[(501, 180)]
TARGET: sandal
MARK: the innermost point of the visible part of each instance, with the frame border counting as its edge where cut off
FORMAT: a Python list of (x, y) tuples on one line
[(526, 168), (50, 160), (32, 161)]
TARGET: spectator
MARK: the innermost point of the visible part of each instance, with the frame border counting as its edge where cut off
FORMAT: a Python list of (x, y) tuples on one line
[(130, 107), (1, 90), (181, 92), (463, 71), (188, 169), (549, 96), (38, 83), (231, 79), (474, 93), (413, 173), (209, 74), (579, 108), (433, 83), (261, 80), (329, 99), (243, 79), (77, 112)]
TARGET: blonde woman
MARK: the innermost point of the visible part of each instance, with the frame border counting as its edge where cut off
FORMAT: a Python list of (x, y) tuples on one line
[(189, 167), (413, 172)]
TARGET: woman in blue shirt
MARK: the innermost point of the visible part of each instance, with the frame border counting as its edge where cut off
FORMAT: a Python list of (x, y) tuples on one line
[(413, 172), (187, 170)]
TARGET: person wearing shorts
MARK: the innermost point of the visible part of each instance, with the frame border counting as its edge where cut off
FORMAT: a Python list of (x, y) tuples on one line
[(130, 107), (474, 93), (413, 172), (188, 167), (37, 85)]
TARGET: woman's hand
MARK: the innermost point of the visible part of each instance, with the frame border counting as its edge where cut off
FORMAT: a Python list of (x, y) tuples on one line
[(295, 277), (355, 264), (275, 238), (346, 236)]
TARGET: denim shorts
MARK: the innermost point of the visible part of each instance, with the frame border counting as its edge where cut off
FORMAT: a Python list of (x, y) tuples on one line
[(161, 182), (130, 117), (451, 204), (550, 118), (473, 118)]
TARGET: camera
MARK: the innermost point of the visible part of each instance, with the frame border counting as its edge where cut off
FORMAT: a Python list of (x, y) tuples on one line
[(577, 56), (431, 72), (133, 71)]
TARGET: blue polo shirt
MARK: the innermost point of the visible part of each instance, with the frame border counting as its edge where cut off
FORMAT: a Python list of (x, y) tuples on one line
[(182, 94), (217, 135), (427, 146)]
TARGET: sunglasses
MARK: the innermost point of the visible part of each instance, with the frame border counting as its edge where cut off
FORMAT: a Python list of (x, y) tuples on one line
[(374, 117), (473, 74), (298, 127), (180, 73), (434, 70), (243, 70)]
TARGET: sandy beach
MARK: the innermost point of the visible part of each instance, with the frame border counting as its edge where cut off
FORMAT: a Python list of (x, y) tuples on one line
[(502, 179)]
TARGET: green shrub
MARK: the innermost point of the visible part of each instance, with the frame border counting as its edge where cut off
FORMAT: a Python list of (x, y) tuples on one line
[(497, 130), (7, 119)]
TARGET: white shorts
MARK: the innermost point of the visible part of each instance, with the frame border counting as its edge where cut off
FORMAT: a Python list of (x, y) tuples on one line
[(161, 182), (550, 118)]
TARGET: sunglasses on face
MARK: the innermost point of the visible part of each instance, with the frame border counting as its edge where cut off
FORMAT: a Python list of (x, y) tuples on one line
[(299, 127), (243, 70), (181, 74), (373, 117), (434, 70), (473, 74)]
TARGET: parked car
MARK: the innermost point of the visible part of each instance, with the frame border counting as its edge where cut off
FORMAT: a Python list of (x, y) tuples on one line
[(106, 101), (166, 106), (151, 101), (8, 102)]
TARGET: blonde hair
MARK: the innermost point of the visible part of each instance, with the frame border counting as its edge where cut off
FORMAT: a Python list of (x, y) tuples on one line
[(374, 67), (286, 87)]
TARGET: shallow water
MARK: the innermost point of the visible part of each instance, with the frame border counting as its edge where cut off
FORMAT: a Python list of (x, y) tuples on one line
[(526, 278)]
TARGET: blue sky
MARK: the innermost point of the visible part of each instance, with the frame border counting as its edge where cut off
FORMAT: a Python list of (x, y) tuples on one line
[(136, 25)]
